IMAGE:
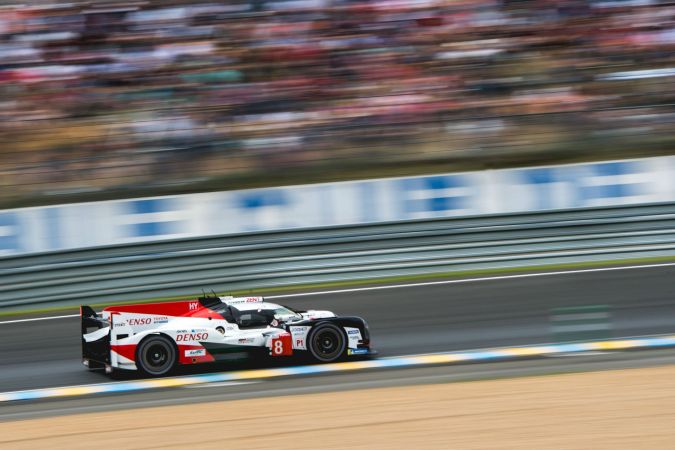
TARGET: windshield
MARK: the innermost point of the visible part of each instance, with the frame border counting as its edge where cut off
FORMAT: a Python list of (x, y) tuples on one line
[(249, 317), (284, 314)]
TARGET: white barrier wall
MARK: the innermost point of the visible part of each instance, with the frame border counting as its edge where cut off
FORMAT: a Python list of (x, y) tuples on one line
[(60, 227)]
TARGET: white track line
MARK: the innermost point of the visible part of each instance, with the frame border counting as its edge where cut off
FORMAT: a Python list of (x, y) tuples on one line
[(425, 283), (473, 280), (40, 318)]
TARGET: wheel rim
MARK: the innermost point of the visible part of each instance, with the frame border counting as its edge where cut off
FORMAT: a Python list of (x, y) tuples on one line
[(327, 344), (157, 357)]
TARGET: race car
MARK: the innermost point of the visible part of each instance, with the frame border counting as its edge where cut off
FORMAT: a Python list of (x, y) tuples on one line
[(154, 338)]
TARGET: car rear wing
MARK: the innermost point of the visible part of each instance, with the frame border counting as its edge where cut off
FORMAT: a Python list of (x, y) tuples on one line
[(95, 338), (90, 321)]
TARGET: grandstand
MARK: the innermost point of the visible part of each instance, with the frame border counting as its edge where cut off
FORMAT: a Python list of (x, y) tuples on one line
[(104, 99)]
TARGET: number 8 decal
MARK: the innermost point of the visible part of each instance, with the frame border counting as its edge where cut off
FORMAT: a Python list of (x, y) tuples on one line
[(282, 345)]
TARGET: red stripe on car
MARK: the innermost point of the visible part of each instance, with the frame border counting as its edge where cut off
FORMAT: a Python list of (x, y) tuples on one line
[(127, 350)]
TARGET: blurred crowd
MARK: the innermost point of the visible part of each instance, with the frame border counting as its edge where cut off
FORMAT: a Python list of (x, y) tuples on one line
[(98, 96)]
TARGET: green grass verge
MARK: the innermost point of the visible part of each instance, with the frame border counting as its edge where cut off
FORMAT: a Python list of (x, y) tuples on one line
[(367, 282)]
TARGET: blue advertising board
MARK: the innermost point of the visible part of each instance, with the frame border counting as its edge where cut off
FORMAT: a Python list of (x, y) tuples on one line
[(60, 227)]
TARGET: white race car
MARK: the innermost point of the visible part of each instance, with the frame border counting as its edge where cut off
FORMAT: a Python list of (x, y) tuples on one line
[(154, 337)]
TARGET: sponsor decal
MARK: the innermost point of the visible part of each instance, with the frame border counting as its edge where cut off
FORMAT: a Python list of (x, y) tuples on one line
[(353, 332), (252, 299), (195, 352), (192, 337), (245, 341), (161, 319), (141, 321), (298, 330), (193, 306), (357, 351)]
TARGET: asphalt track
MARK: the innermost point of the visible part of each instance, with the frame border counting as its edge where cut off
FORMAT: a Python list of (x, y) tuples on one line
[(419, 319)]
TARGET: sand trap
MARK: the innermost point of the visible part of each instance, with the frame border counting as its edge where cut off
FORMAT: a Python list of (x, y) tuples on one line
[(623, 409)]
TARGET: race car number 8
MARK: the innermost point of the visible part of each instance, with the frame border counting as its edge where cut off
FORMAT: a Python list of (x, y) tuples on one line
[(282, 346)]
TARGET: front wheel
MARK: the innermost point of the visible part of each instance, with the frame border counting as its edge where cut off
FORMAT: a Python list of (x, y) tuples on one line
[(327, 343), (156, 356)]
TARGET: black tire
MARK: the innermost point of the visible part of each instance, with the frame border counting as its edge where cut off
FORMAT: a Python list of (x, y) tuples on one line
[(327, 342), (156, 356)]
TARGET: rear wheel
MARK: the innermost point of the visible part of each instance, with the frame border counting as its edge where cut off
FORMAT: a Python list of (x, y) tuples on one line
[(156, 355), (327, 343)]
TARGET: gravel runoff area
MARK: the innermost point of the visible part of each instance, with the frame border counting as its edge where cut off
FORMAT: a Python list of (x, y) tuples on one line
[(628, 409)]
